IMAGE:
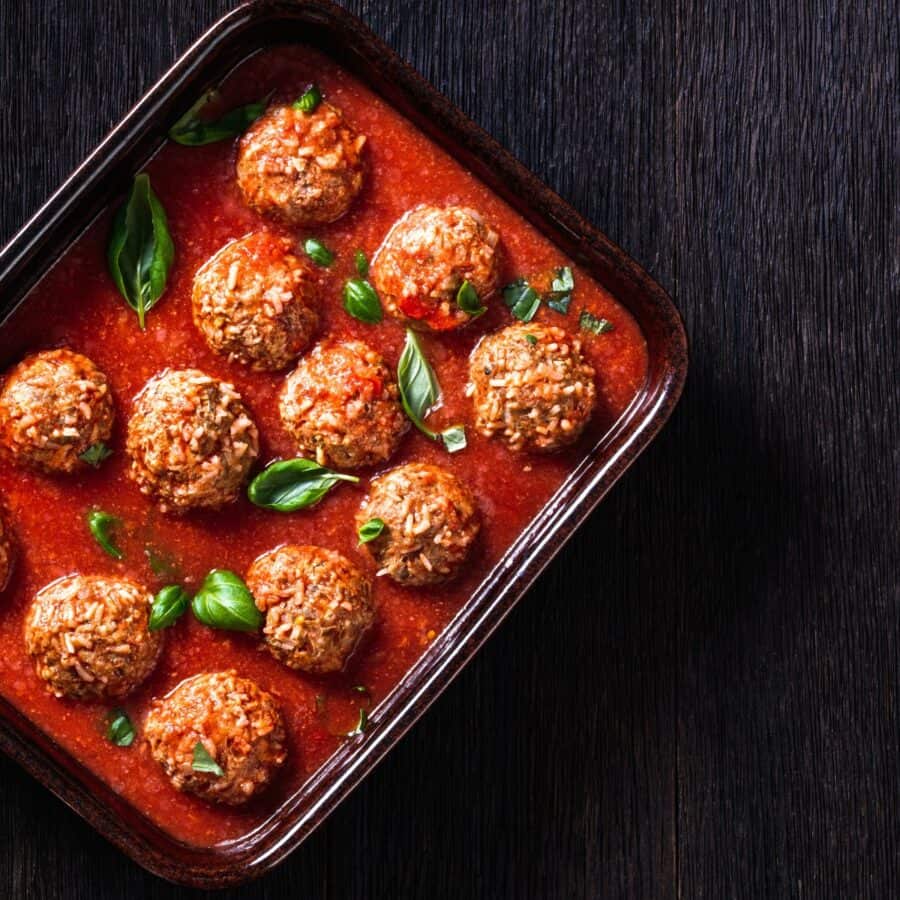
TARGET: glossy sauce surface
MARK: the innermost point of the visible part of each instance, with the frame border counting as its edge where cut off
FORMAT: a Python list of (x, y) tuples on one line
[(76, 305)]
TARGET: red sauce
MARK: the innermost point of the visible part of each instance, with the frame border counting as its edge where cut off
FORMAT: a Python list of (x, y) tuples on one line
[(76, 305)]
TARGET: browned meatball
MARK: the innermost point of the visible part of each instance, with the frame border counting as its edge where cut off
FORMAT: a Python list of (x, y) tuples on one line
[(255, 302), (425, 259), (234, 721), (317, 606), (430, 522), (87, 636), (53, 407), (341, 405), (303, 168), (532, 387), (191, 440), (7, 549)]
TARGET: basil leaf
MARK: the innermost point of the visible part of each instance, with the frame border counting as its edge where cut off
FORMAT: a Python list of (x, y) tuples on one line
[(588, 322), (361, 725), (140, 251), (370, 530), (522, 299), (454, 438), (361, 263), (168, 606), (119, 729), (361, 301), (561, 288), (203, 762), (468, 301), (419, 390), (309, 99), (95, 454), (100, 525), (224, 601), (292, 484), (532, 339), (191, 131), (318, 253), (161, 564)]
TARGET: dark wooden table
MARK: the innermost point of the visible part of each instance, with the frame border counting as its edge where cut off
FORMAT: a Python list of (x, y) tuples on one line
[(700, 699)]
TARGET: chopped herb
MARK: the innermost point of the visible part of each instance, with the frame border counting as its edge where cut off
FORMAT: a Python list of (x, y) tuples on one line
[(361, 725), (95, 454), (370, 530), (100, 525), (321, 701), (361, 301), (309, 99), (224, 601), (292, 484), (191, 131), (361, 263), (318, 253), (468, 301), (203, 762), (454, 438), (532, 339), (522, 299), (560, 295), (361, 689), (588, 322), (119, 729), (140, 251), (160, 564), (168, 606)]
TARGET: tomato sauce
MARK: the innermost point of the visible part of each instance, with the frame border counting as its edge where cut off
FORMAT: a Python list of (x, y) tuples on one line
[(76, 305)]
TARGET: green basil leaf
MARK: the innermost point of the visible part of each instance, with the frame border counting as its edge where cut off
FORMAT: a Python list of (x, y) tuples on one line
[(454, 438), (140, 252), (203, 762), (119, 729), (161, 564), (468, 301), (95, 454), (191, 131), (100, 525), (370, 530), (561, 288), (532, 339), (419, 390), (361, 263), (318, 253), (522, 299), (292, 484), (168, 606), (588, 322), (224, 601), (361, 725), (361, 301), (309, 99)]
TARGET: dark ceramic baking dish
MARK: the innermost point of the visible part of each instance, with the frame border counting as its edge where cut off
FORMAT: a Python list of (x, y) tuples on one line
[(105, 174)]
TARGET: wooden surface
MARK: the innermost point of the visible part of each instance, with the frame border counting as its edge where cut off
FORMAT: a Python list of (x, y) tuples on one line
[(700, 699)]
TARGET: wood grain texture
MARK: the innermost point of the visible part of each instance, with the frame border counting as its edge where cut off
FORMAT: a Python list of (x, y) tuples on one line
[(700, 698)]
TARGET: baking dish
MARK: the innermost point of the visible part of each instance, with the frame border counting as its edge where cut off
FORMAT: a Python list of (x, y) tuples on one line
[(104, 175)]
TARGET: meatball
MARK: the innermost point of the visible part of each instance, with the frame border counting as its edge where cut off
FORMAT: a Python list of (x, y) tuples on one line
[(430, 522), (53, 407), (341, 405), (425, 259), (303, 168), (532, 387), (254, 302), (7, 549), (317, 606), (87, 636), (191, 440), (234, 721)]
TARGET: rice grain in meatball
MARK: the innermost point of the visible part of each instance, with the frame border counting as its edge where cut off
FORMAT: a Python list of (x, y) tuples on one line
[(87, 636), (255, 302), (317, 606), (54, 406), (191, 440), (342, 406), (238, 724), (531, 387), (303, 168), (425, 259), (430, 523)]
